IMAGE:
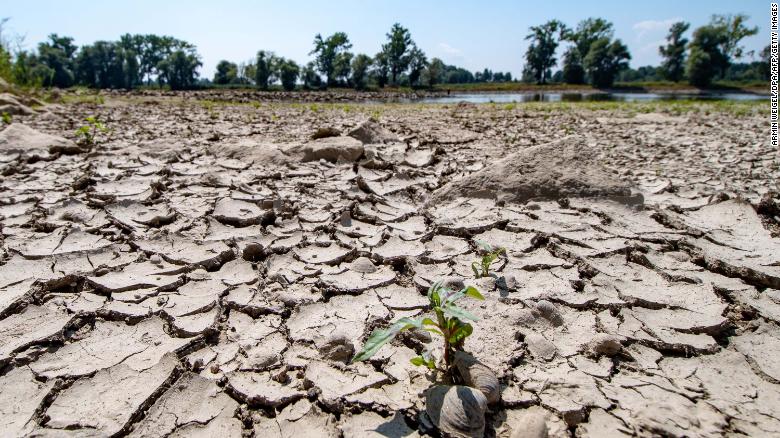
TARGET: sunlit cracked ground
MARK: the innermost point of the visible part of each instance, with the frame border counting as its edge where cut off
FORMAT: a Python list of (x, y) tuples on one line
[(206, 269)]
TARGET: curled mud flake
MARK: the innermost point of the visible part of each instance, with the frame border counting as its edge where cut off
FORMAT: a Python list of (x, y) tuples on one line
[(137, 216), (397, 249), (163, 276), (20, 395), (191, 405), (360, 275), (315, 254), (109, 343), (263, 390), (302, 418), (106, 402), (371, 425), (240, 213)]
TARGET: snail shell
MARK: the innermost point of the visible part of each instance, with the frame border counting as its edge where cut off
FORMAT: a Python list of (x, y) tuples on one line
[(457, 411), (477, 375)]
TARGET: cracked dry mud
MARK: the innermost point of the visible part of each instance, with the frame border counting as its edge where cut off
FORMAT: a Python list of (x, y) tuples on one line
[(209, 271)]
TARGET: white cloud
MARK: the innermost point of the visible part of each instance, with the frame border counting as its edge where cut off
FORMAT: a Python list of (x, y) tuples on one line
[(451, 51), (653, 27)]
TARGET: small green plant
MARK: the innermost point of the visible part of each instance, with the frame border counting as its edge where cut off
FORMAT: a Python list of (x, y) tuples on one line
[(449, 323), (86, 133), (490, 254), (6, 118)]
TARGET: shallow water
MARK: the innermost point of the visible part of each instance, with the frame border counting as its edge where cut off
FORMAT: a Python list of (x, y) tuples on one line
[(583, 97)]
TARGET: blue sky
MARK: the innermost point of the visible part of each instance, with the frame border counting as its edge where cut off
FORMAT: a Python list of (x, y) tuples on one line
[(471, 34)]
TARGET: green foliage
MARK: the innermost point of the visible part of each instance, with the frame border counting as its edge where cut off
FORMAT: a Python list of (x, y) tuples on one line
[(540, 56), (573, 71), (179, 69), (700, 68), (605, 60), (86, 133), (288, 72), (434, 73), (265, 67), (588, 31), (714, 46), (227, 72), (360, 65), (673, 66), (417, 63), (58, 54), (381, 72), (490, 254), (6, 118), (397, 51), (311, 80), (449, 323), (332, 57)]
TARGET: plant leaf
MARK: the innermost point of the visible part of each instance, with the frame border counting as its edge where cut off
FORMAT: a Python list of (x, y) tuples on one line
[(379, 338), (461, 333), (475, 268), (473, 292), (418, 361), (484, 245), (452, 310)]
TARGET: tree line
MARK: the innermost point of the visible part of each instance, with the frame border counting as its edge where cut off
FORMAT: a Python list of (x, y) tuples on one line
[(399, 62), (594, 56)]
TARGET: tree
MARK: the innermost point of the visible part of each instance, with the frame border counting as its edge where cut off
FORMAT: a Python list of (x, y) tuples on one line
[(605, 60), (58, 54), (417, 63), (733, 26), (397, 50), (180, 69), (288, 72), (713, 47), (573, 71), (331, 56), (360, 65), (311, 79), (265, 67), (227, 72), (434, 74), (673, 53), (587, 32), (381, 71), (763, 67), (540, 56)]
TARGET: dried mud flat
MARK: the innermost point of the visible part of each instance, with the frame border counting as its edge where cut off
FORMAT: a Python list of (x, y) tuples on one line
[(209, 270)]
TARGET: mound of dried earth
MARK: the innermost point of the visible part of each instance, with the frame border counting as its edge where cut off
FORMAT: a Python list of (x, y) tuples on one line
[(563, 168)]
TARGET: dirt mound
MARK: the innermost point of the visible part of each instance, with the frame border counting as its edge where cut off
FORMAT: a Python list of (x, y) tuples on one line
[(253, 151), (12, 105), (24, 142), (563, 168), (333, 149), (371, 132)]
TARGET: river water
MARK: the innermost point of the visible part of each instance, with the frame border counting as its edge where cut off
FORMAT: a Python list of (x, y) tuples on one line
[(584, 97)]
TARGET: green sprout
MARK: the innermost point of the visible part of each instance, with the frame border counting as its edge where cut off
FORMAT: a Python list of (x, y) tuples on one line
[(481, 267), (6, 118), (87, 133), (449, 323)]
